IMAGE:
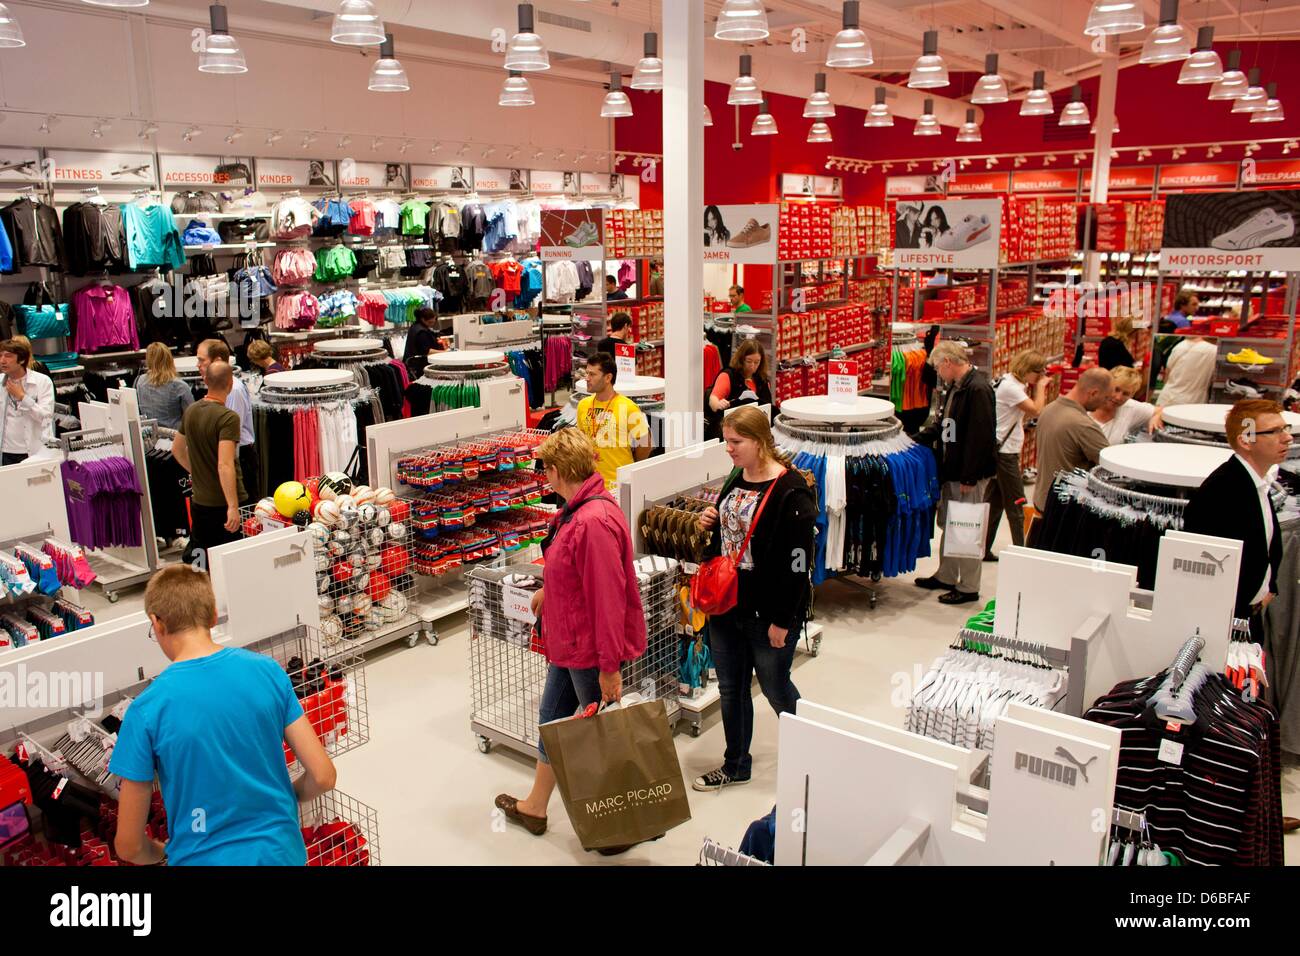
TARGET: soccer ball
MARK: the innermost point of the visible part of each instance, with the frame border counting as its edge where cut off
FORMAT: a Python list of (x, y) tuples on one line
[(291, 498), (334, 484)]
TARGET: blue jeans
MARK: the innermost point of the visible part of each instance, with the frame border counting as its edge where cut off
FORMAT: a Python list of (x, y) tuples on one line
[(741, 649), (567, 690)]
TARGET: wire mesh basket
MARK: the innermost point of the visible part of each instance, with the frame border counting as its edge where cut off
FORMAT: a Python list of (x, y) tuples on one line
[(508, 660), (330, 683), (340, 830)]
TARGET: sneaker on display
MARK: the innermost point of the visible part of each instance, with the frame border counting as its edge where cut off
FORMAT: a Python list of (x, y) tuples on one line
[(968, 232), (1248, 356), (752, 235), (1242, 389), (1264, 227), (716, 780)]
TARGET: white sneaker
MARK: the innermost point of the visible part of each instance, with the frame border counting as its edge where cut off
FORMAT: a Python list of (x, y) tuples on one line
[(1264, 227), (968, 232)]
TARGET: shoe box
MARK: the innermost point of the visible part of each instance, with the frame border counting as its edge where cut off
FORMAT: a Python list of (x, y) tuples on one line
[(634, 232), (951, 303), (812, 231), (1038, 229), (1134, 226), (650, 361), (1027, 329), (873, 292), (820, 330), (647, 320)]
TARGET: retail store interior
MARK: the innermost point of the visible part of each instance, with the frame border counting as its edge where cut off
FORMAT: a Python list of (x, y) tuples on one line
[(1004, 272)]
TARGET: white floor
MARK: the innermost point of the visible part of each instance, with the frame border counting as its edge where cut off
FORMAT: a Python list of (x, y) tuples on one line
[(433, 790)]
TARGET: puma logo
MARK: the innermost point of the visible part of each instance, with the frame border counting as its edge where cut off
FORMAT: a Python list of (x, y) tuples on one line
[(1083, 767), (1219, 561)]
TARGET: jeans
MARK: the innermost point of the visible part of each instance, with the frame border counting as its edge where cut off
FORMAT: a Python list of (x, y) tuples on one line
[(209, 530), (741, 649), (568, 689), (12, 458), (960, 574), (1005, 491)]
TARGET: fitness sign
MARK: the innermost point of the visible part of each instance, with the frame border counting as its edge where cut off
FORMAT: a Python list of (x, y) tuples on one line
[(947, 234), (1232, 230)]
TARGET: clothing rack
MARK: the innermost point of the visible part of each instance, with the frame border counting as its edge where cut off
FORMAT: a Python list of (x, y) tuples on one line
[(272, 396), (837, 432), (1104, 484), (1183, 663), (715, 854)]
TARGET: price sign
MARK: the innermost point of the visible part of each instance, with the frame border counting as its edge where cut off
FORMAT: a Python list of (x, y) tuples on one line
[(842, 380), (518, 604), (625, 360)]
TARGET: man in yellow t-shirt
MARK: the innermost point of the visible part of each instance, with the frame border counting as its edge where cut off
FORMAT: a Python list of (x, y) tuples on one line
[(612, 421)]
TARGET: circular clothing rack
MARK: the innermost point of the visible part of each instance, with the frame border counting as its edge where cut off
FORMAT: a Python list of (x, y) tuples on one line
[(1179, 466), (821, 408), (347, 346), (1211, 418), (187, 364), (306, 378), (467, 359), (633, 386)]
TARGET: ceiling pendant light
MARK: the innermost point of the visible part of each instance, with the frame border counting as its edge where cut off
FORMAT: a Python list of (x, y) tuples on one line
[(990, 88), (221, 54), (616, 103), (1169, 41), (742, 21), (517, 91), (649, 72), (744, 88), (819, 132), (708, 115), (1076, 111), (850, 50), (1108, 17), (1037, 102), (387, 75), (1272, 113), (11, 33), (927, 125), (764, 124), (878, 114), (1204, 65), (357, 24), (929, 72), (1254, 100), (526, 52), (970, 131), (117, 3), (1233, 82), (819, 105)]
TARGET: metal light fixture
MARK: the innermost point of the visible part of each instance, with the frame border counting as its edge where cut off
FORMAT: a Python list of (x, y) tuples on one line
[(764, 124), (1169, 41), (819, 132), (970, 131), (387, 75), (516, 91), (819, 105), (708, 115), (1037, 102), (1204, 65), (234, 135), (850, 50), (649, 72), (1108, 17), (929, 72), (744, 88), (357, 23), (11, 33), (191, 133), (221, 54), (1272, 113), (147, 130), (742, 21), (274, 137), (1076, 111), (117, 3), (990, 88), (616, 102), (526, 52), (1254, 100), (927, 125), (878, 114), (1233, 83)]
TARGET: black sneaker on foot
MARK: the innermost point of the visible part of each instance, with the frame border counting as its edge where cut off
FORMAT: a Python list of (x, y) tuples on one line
[(716, 780), (958, 597)]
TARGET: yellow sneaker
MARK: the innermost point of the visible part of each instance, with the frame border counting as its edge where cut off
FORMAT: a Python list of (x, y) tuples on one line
[(1249, 357)]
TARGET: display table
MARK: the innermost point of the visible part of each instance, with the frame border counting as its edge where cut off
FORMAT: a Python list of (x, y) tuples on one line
[(822, 408), (1180, 466), (1211, 418)]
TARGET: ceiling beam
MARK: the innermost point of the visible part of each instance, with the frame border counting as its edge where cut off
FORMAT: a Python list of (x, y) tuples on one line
[(1065, 21)]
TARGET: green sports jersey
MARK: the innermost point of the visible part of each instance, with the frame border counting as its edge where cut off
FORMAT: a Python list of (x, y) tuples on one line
[(415, 217), (334, 263), (897, 378)]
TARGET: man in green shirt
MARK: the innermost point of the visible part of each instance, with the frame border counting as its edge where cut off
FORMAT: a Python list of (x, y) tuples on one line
[(737, 297), (206, 445)]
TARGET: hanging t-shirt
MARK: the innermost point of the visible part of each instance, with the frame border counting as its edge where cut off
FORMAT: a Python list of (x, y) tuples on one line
[(612, 427), (415, 216), (1011, 419), (836, 501)]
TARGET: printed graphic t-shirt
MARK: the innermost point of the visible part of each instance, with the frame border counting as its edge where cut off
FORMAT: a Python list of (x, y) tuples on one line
[(612, 427), (736, 514)]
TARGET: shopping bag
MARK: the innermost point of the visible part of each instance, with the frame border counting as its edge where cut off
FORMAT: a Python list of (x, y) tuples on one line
[(963, 529), (618, 774)]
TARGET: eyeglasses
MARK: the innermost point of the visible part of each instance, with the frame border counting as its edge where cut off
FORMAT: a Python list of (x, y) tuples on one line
[(1280, 430), (153, 635)]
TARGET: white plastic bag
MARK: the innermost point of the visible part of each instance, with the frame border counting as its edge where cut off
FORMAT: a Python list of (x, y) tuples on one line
[(963, 529)]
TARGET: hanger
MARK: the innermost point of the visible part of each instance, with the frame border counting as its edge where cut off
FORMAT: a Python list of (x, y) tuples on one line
[(1173, 699)]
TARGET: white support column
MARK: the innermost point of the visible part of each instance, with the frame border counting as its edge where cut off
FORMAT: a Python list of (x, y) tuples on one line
[(1105, 120), (683, 179)]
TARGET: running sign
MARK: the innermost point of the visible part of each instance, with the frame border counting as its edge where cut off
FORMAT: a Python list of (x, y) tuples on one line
[(947, 234), (573, 234), (1237, 230)]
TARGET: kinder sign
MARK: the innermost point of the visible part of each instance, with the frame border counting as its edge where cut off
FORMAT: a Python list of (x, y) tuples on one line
[(373, 175), (500, 180), (441, 177)]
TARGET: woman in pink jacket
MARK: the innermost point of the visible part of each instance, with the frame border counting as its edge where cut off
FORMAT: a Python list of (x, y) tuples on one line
[(589, 605)]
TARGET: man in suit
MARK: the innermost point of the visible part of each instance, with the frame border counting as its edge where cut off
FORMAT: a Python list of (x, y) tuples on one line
[(1233, 503)]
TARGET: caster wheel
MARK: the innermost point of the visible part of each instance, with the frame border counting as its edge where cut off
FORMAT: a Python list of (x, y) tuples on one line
[(412, 640), (695, 730), (431, 637), (873, 602), (112, 596), (816, 648), (484, 745)]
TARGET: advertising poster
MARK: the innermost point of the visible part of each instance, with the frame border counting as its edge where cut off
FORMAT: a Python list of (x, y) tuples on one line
[(573, 234), (947, 234), (743, 234), (296, 172), (182, 171), (75, 166), (1236, 230), (373, 175), (441, 177)]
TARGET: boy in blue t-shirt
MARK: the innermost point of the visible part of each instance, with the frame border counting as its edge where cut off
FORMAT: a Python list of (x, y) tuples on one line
[(211, 727)]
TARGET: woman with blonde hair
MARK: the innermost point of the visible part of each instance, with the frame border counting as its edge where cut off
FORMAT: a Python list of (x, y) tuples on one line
[(764, 519), (743, 382), (1013, 405), (1121, 414), (1114, 348), (162, 394)]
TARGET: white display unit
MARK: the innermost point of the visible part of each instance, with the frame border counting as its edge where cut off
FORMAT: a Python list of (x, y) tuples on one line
[(1166, 463), (1212, 418), (265, 585)]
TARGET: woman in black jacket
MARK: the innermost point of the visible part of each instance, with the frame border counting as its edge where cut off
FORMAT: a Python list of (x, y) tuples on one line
[(1114, 348), (760, 633), (744, 381)]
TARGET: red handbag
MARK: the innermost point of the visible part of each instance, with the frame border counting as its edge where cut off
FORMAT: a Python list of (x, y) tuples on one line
[(715, 586)]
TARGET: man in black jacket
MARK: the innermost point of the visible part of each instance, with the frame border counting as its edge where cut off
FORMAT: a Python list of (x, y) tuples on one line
[(965, 442), (1233, 503)]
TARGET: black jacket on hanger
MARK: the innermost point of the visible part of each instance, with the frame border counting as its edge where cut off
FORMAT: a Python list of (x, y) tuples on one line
[(1227, 506), (33, 228), (967, 449), (92, 236)]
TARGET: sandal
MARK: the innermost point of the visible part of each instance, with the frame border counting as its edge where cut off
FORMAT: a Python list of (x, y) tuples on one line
[(510, 807)]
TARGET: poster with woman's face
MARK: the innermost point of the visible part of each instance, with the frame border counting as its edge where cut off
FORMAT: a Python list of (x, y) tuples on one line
[(745, 234), (949, 233)]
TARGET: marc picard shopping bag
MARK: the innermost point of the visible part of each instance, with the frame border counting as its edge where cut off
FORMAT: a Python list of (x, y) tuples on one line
[(618, 774), (963, 529)]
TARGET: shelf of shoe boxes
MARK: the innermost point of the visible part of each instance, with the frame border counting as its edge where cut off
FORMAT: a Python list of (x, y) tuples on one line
[(815, 237), (648, 328)]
